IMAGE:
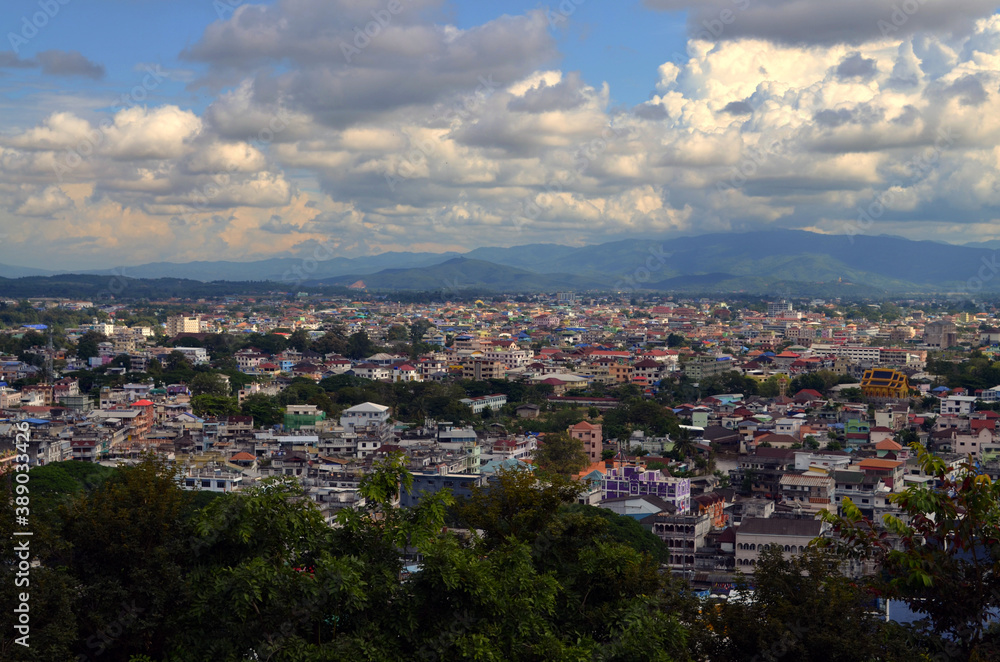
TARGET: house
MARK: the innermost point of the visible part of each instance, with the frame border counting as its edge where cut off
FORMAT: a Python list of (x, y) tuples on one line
[(637, 481), (591, 436), (957, 405), (791, 536), (527, 411), (713, 505), (808, 492), (683, 534), (431, 482)]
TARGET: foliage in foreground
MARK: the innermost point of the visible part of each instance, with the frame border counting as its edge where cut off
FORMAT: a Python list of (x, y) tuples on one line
[(134, 568)]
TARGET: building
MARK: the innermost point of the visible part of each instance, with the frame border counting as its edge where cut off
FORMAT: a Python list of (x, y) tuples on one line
[(636, 481), (182, 324), (482, 370), (591, 436), (701, 367), (941, 333), (684, 535), (883, 384), (778, 308), (957, 405), (755, 535), (364, 415), (303, 416), (494, 402), (426, 483), (810, 492)]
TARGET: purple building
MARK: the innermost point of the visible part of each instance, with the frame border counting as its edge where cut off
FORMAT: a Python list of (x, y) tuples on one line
[(630, 481)]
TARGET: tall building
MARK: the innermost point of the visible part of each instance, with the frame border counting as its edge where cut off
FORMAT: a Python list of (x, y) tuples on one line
[(182, 324), (941, 333), (778, 308), (591, 437)]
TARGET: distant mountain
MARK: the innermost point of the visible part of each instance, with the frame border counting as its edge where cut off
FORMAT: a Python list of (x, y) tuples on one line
[(279, 269), (751, 261), (8, 271), (461, 273)]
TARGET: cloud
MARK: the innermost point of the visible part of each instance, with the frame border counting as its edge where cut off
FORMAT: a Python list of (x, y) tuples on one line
[(45, 202), (11, 60), (436, 137), (69, 63), (342, 76), (804, 22), (856, 66)]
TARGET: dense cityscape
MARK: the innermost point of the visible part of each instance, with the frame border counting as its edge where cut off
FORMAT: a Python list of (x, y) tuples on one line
[(701, 432), (513, 331)]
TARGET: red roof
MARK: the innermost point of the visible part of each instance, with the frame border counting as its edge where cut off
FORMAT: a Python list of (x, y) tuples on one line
[(142, 403), (243, 456)]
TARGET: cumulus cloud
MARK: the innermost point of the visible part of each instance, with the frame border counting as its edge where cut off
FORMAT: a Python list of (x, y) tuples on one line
[(434, 137), (45, 202)]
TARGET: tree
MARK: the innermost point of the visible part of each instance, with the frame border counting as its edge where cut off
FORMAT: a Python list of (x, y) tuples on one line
[(561, 454), (676, 340), (86, 346), (397, 332), (299, 340), (214, 405), (851, 394), (209, 383), (944, 563), (265, 411), (800, 609), (360, 346), (517, 505)]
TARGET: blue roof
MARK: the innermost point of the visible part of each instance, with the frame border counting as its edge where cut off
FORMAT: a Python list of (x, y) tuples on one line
[(37, 421), (940, 388)]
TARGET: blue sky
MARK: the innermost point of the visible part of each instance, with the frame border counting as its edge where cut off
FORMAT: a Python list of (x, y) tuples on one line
[(145, 130)]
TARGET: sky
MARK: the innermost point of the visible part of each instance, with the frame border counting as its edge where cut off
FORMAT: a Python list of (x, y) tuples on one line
[(135, 131)]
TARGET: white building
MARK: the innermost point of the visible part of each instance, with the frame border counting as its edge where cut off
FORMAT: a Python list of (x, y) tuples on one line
[(364, 415), (478, 404), (957, 405)]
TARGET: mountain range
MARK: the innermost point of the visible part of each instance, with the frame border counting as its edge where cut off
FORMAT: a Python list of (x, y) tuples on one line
[(763, 261)]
